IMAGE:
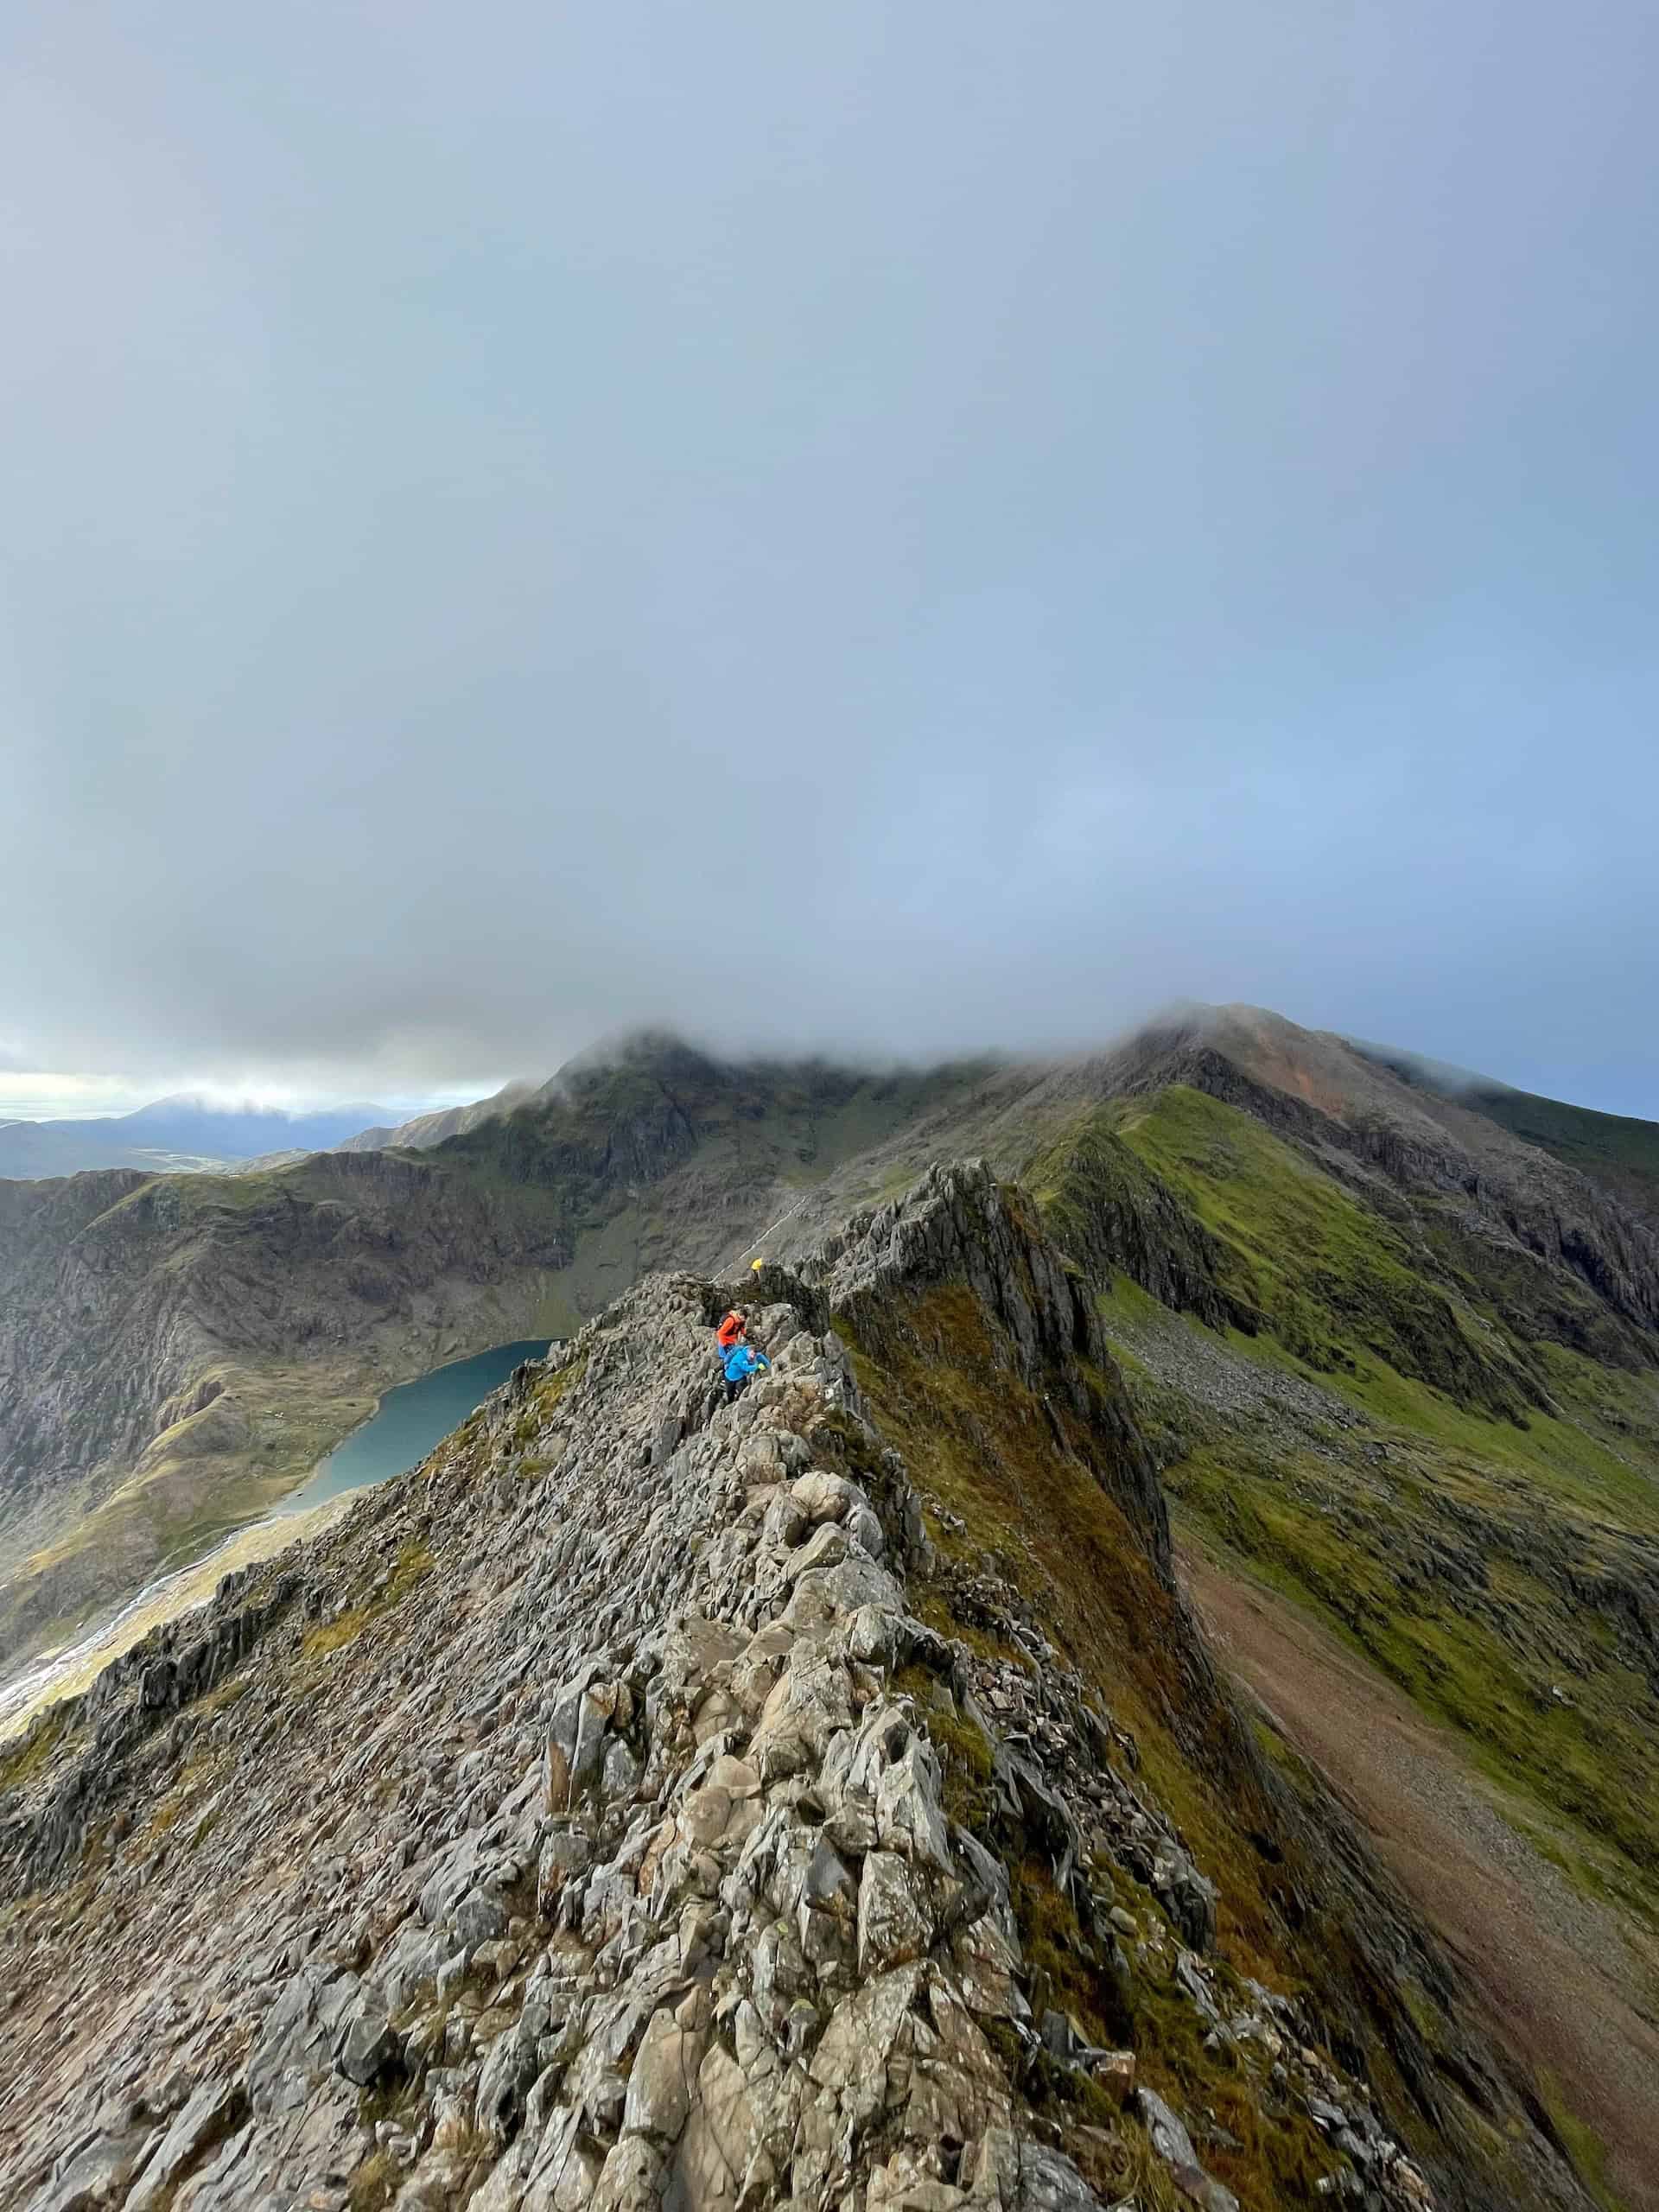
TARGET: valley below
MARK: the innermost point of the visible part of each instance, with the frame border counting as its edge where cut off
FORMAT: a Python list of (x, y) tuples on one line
[(402, 1428), (1392, 1364)]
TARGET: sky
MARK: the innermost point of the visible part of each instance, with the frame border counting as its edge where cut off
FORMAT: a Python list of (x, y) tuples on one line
[(893, 529)]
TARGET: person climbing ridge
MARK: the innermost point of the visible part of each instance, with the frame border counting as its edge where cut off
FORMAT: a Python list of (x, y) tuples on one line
[(740, 1363), (731, 1331)]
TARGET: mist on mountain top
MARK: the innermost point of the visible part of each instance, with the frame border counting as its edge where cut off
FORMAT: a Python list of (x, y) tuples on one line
[(859, 531)]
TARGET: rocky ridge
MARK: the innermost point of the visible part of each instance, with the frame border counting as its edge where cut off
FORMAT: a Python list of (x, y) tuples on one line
[(593, 1821), (177, 1352)]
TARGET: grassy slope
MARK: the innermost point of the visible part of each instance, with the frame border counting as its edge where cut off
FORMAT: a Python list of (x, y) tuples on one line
[(1484, 1559), (981, 1449)]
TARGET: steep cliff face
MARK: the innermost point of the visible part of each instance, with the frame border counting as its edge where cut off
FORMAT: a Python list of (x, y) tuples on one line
[(823, 1800), (1115, 1217), (1618, 1151)]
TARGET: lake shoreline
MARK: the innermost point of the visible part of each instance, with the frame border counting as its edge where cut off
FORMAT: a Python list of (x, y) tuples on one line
[(422, 1412)]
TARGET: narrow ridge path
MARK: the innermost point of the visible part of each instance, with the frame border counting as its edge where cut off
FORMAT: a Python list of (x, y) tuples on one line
[(1555, 1970)]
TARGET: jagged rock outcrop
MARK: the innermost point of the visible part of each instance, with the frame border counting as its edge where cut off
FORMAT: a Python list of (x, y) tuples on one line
[(593, 1821), (960, 1226), (1113, 1216)]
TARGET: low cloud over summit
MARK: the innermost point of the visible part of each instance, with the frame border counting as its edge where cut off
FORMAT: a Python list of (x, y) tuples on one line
[(886, 531)]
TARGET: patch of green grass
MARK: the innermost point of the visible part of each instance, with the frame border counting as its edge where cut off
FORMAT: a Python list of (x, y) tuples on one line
[(1584, 2147), (1350, 1303), (187, 1788), (22, 1764), (372, 2185), (1064, 1969), (546, 1400), (1334, 1281), (932, 1608), (414, 1563), (1482, 1643), (334, 1634), (1559, 1456), (1278, 2159), (228, 1694), (964, 1753)]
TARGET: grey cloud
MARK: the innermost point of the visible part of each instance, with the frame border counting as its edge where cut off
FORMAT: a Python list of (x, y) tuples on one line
[(893, 529)]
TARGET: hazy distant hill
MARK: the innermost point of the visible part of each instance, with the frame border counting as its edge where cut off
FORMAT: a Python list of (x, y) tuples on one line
[(171, 1135), (428, 1129)]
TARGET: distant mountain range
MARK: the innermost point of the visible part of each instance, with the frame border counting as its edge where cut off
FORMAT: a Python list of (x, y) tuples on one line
[(173, 1134)]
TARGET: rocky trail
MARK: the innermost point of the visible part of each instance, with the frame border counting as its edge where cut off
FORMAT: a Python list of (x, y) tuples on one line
[(591, 1820), (1557, 1969)]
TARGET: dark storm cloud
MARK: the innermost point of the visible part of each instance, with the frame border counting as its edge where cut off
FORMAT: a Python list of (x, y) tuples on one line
[(895, 528)]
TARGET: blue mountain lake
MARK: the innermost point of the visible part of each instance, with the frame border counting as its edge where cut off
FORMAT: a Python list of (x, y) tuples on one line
[(410, 1421)]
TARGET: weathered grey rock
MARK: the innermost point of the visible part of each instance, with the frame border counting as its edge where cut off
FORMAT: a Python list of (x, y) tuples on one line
[(567, 1852), (478, 1919), (612, 1845), (663, 2079), (96, 2177), (370, 2049), (1174, 2146), (894, 1925), (211, 2112), (719, 2159), (1187, 1895), (1019, 2174), (826, 1548)]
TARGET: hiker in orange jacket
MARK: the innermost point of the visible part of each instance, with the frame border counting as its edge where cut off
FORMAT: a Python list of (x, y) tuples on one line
[(731, 1331)]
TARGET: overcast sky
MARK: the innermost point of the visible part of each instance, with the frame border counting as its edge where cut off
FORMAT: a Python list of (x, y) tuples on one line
[(895, 526)]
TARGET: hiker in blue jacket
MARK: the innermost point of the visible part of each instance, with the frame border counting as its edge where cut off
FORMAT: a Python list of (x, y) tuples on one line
[(740, 1363)]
